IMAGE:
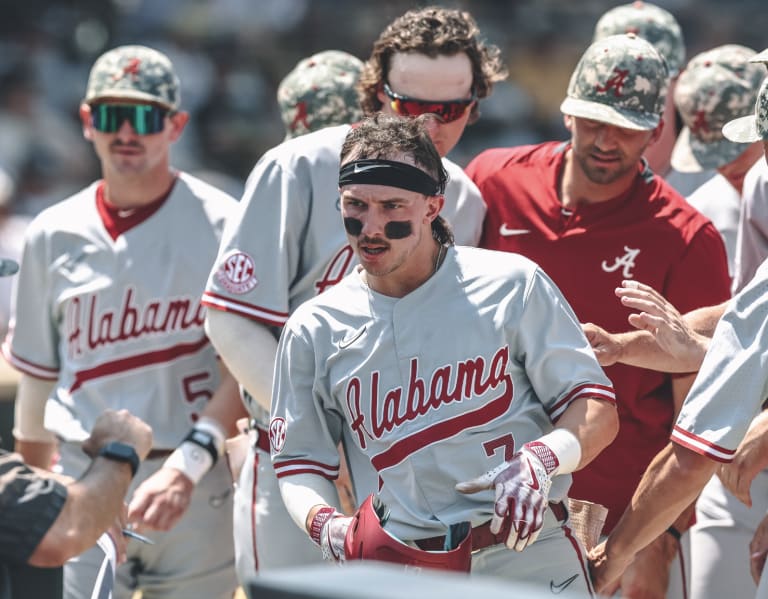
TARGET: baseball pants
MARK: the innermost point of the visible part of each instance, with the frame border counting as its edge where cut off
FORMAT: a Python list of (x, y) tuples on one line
[(194, 560), (720, 541), (556, 562), (266, 537)]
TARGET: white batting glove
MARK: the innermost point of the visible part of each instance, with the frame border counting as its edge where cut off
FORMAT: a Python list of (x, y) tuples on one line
[(328, 530), (522, 489)]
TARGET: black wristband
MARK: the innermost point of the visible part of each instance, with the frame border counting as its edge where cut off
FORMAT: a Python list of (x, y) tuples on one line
[(120, 452), (204, 440), (674, 532)]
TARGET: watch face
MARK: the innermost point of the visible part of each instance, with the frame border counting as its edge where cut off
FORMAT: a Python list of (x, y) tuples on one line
[(121, 452)]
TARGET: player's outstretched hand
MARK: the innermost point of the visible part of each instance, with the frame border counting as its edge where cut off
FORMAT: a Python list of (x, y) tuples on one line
[(605, 572), (161, 500), (522, 487), (604, 344), (758, 549), (659, 317), (750, 459)]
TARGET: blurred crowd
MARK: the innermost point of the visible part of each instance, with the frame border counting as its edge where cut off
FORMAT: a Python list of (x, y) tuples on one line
[(232, 54)]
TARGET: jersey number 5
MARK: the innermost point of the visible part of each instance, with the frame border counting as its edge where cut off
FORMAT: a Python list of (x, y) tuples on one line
[(195, 387)]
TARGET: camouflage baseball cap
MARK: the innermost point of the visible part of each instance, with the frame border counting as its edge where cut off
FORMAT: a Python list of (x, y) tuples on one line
[(620, 80), (136, 73), (651, 23), (754, 127), (716, 86), (320, 92)]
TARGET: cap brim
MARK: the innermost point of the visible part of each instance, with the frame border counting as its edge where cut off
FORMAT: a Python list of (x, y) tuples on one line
[(760, 56), (608, 114), (742, 130), (8, 267), (690, 155)]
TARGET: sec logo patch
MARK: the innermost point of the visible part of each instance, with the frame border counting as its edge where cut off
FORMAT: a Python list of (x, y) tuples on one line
[(277, 434), (237, 273)]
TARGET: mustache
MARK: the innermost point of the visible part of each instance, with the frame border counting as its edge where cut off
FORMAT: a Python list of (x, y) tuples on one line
[(121, 144)]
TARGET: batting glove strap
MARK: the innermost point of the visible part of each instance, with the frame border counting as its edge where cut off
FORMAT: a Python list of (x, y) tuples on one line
[(321, 517)]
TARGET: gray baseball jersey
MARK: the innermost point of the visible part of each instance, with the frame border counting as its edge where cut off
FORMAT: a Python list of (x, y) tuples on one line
[(732, 383), (435, 387), (118, 322), (719, 201), (752, 237)]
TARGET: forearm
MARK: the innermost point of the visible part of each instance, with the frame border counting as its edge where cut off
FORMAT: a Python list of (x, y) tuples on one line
[(225, 406), (704, 320), (247, 348), (91, 507), (305, 494), (594, 423), (36, 444), (36, 453), (639, 348), (670, 484)]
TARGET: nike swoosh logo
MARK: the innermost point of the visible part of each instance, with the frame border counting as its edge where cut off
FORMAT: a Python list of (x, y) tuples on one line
[(505, 231), (362, 169), (534, 481), (559, 588), (345, 343)]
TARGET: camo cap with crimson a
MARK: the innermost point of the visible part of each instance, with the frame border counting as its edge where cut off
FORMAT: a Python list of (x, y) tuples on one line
[(715, 87), (320, 92), (620, 80), (650, 22), (134, 73)]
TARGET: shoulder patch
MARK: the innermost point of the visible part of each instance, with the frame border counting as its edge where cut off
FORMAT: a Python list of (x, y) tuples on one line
[(277, 434), (237, 273)]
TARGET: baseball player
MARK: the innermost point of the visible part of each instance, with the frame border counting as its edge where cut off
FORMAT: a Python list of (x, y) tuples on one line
[(287, 244), (710, 424), (108, 315), (591, 213), (659, 27), (717, 86), (372, 362), (320, 92), (752, 239)]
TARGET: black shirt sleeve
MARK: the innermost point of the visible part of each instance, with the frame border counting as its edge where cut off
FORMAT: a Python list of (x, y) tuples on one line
[(29, 504)]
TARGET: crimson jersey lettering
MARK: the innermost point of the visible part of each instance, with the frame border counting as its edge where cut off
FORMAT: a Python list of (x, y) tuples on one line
[(130, 321), (338, 268), (471, 381)]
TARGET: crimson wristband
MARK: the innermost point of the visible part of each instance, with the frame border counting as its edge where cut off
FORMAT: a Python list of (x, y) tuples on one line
[(321, 517)]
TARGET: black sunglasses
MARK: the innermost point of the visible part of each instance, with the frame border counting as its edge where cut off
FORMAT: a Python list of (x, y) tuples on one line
[(145, 119), (446, 110)]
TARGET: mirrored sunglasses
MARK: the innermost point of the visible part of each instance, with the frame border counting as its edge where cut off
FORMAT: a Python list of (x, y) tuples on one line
[(145, 119), (447, 111)]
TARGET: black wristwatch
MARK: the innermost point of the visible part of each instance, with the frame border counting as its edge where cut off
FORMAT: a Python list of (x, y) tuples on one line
[(120, 452)]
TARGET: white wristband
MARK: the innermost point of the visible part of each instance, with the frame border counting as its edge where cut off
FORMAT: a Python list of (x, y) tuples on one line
[(213, 428), (190, 459), (566, 447)]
